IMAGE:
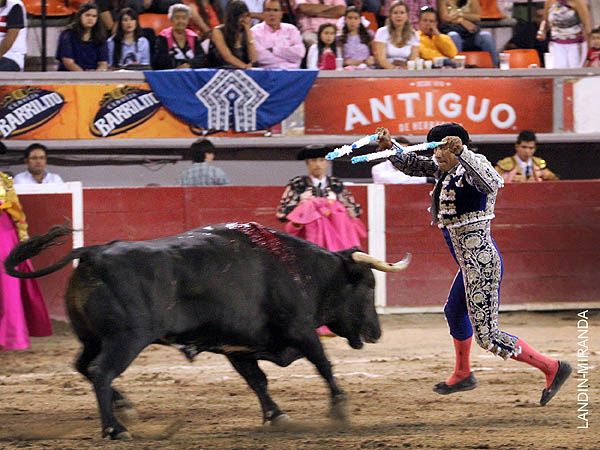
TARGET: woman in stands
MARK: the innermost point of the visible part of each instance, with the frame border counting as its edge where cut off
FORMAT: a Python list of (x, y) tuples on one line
[(356, 41), (459, 20), (232, 43), (322, 54), (128, 46), (206, 15), (178, 47), (569, 25), (82, 47), (396, 42), (22, 309)]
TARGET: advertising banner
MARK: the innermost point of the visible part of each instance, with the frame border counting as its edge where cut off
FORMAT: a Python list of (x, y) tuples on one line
[(413, 105), (92, 111)]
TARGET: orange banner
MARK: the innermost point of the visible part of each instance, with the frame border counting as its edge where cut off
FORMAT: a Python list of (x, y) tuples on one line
[(93, 111), (413, 105)]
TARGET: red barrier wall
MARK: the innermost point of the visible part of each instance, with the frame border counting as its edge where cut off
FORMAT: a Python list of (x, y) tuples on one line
[(548, 234)]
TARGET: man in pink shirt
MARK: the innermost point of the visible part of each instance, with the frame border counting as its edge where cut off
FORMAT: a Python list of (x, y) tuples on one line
[(279, 45), (312, 13)]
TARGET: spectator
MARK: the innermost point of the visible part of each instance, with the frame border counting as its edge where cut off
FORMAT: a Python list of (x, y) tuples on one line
[(128, 46), (593, 56), (432, 43), (414, 6), (524, 34), (373, 6), (396, 42), (386, 173), (202, 173), (178, 47), (82, 47), (356, 41), (36, 159), (316, 194), (256, 8), (278, 45), (460, 21), (108, 12), (311, 14), (231, 43), (206, 15), (13, 35), (523, 166), (569, 24), (322, 54), (22, 309), (358, 4)]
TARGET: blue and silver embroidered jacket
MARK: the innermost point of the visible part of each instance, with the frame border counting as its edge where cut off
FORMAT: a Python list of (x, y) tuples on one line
[(463, 195)]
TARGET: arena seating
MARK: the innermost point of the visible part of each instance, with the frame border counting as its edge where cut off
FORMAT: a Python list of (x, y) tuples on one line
[(54, 8), (489, 10), (157, 22), (522, 58), (482, 60), (370, 16)]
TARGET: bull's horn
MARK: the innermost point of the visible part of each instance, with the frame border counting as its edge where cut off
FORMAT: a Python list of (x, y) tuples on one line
[(381, 265)]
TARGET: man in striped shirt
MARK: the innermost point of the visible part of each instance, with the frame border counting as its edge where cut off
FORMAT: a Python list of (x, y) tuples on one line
[(13, 42), (202, 173)]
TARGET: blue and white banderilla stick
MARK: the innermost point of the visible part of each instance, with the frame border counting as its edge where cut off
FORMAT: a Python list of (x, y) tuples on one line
[(347, 149), (394, 151)]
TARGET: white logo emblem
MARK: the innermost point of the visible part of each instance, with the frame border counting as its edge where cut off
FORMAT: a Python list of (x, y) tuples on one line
[(232, 88)]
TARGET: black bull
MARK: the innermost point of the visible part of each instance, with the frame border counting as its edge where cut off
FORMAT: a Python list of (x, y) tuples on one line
[(241, 290)]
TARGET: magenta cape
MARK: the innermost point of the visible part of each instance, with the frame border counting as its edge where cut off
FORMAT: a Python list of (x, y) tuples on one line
[(23, 312)]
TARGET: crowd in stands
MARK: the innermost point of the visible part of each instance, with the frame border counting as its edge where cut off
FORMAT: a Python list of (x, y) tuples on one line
[(359, 34)]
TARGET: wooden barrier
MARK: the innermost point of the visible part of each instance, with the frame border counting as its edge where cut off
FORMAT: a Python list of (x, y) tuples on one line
[(547, 234)]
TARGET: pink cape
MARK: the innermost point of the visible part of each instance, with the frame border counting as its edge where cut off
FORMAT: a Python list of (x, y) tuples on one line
[(326, 223), (23, 312)]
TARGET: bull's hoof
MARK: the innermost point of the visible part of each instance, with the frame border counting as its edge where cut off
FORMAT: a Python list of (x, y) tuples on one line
[(281, 421), (339, 408), (116, 435)]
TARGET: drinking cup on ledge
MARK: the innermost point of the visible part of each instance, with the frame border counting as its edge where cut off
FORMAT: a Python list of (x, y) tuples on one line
[(504, 61), (410, 65), (460, 61), (549, 60), (428, 64), (419, 64), (438, 62)]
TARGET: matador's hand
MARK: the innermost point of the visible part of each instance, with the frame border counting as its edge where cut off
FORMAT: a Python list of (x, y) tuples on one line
[(385, 138), (453, 144)]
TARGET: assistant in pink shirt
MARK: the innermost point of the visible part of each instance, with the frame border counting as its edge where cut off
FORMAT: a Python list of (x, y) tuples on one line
[(279, 45)]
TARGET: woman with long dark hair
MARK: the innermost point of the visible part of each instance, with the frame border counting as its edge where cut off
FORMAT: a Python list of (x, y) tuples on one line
[(322, 54), (128, 46), (232, 43), (82, 46)]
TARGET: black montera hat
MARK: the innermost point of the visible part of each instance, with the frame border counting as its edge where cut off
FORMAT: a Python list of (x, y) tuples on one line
[(313, 151), (438, 133)]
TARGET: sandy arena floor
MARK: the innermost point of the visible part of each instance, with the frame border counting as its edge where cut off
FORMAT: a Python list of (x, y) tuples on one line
[(44, 403)]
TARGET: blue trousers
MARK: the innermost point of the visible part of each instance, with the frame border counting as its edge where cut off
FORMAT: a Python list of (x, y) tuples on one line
[(482, 41), (477, 303)]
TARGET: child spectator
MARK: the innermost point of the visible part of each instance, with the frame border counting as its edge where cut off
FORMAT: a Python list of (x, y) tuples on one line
[(232, 43), (593, 56), (356, 41), (396, 42), (178, 47), (206, 15), (322, 54), (83, 46), (128, 46)]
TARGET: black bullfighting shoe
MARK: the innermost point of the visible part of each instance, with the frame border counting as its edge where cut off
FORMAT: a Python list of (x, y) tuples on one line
[(466, 384), (563, 372)]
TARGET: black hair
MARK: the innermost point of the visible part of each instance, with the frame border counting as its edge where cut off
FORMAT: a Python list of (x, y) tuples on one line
[(277, 1), (118, 37), (364, 35), (35, 146), (320, 45), (439, 132), (526, 136), (200, 148), (429, 9), (595, 31), (235, 9), (98, 33)]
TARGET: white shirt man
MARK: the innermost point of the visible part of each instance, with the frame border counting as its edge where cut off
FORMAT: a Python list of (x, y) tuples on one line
[(35, 158)]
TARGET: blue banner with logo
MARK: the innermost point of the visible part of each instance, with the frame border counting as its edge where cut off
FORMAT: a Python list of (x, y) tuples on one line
[(220, 99)]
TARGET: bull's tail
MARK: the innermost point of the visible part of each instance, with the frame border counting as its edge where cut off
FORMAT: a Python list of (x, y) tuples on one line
[(35, 246)]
